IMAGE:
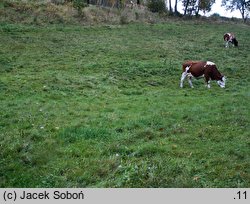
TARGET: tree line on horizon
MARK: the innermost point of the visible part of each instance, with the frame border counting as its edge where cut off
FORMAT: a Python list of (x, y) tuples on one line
[(191, 7)]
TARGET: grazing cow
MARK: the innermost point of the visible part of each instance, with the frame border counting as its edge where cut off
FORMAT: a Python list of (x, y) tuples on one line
[(230, 38), (205, 69)]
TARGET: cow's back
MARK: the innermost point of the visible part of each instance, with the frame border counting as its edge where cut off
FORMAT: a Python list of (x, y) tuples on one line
[(196, 68)]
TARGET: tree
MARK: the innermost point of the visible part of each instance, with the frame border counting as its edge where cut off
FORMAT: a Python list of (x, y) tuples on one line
[(157, 6), (175, 7), (242, 5), (170, 7), (193, 7), (185, 4), (206, 5)]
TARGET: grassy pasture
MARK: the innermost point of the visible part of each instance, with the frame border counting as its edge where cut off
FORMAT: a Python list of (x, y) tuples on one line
[(100, 106)]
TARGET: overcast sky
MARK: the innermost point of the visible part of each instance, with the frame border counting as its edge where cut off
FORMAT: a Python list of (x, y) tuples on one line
[(216, 8)]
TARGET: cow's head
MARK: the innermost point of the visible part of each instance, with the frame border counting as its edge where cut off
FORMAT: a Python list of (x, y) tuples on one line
[(222, 82), (235, 42)]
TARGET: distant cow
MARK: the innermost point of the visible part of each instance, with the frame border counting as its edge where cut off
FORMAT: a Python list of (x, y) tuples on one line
[(230, 38), (205, 69)]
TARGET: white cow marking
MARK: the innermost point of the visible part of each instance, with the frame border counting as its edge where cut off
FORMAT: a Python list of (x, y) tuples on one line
[(209, 63), (187, 68)]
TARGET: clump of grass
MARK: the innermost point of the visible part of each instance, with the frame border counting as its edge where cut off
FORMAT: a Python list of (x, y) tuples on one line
[(79, 133)]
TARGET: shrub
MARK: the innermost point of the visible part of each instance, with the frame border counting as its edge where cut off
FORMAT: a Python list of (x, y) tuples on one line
[(157, 6), (215, 17), (79, 5), (58, 2)]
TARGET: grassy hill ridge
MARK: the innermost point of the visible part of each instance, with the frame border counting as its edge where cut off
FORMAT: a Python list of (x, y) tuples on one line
[(42, 12), (45, 12)]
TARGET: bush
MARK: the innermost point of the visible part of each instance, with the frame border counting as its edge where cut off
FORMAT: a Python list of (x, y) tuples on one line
[(215, 17), (79, 5), (157, 6), (58, 2)]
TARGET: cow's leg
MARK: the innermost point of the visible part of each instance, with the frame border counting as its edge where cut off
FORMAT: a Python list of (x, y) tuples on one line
[(208, 84), (190, 81), (183, 76), (226, 44), (207, 79)]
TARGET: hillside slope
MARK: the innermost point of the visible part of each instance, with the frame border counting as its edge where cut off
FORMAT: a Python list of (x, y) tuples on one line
[(100, 106), (33, 12)]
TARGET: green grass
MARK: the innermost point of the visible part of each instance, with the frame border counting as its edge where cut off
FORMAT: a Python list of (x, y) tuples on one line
[(100, 106)]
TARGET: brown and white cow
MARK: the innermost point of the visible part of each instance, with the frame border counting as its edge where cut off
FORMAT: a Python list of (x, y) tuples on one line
[(230, 38), (205, 69)]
